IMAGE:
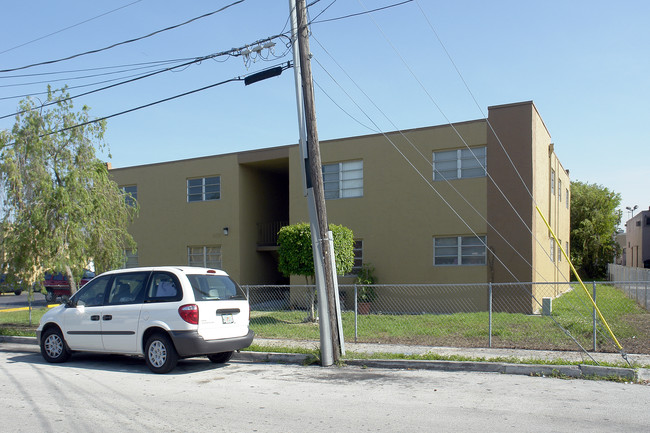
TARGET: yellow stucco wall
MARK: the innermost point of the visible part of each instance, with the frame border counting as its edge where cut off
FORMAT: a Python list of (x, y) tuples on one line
[(401, 211), (168, 224)]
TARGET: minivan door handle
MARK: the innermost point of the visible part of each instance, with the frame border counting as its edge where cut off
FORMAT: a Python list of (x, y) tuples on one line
[(107, 317), (94, 317)]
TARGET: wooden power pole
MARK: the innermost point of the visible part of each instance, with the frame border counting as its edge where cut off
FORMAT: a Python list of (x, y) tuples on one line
[(315, 175)]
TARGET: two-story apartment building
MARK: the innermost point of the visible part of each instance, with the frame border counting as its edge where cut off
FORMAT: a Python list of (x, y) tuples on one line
[(451, 203)]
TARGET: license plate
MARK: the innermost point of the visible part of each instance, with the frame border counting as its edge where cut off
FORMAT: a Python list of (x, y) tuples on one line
[(227, 318)]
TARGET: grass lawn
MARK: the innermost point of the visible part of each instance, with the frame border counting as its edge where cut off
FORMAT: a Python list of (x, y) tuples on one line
[(573, 311), (17, 322)]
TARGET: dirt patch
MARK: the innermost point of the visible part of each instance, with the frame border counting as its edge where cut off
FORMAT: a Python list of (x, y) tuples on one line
[(640, 342)]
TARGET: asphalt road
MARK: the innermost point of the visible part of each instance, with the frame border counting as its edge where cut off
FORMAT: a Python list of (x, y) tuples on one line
[(9, 300), (116, 393)]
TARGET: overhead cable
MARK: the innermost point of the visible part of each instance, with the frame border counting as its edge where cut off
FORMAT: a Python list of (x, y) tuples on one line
[(230, 52), (359, 13), (160, 101), (69, 27), (123, 42), (99, 68)]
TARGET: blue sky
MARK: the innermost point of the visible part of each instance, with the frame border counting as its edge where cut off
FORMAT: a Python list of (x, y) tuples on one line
[(585, 64)]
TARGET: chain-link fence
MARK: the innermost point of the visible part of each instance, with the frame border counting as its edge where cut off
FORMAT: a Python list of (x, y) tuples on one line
[(551, 316), (634, 282)]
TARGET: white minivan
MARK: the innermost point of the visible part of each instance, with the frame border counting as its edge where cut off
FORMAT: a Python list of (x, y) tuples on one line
[(163, 313)]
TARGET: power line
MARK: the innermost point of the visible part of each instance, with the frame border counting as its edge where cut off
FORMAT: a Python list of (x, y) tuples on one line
[(230, 52), (69, 27), (82, 77), (459, 216), (124, 42), (160, 101), (359, 13), (69, 88), (100, 68)]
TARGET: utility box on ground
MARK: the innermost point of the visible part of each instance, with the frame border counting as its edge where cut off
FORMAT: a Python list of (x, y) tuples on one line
[(547, 306)]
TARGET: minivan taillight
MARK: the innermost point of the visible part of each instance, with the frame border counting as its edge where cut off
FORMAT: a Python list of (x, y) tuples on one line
[(189, 313)]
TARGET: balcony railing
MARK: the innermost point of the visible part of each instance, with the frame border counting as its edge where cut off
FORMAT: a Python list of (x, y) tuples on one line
[(267, 233)]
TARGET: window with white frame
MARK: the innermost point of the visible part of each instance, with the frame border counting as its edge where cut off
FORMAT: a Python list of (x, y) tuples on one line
[(343, 179), (552, 250), (552, 182), (204, 189), (459, 163), (130, 194), (130, 258), (204, 256), (566, 198), (559, 189), (559, 241), (459, 251)]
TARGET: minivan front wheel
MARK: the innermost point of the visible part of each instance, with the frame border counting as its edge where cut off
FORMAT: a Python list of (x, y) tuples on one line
[(160, 353), (53, 347)]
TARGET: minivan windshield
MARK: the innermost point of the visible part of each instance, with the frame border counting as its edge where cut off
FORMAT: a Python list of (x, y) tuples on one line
[(214, 287)]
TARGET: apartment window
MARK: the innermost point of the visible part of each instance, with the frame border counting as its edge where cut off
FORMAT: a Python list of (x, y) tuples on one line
[(204, 256), (459, 251), (559, 189), (130, 258), (204, 189), (559, 241), (358, 257), (459, 163), (566, 248), (130, 194), (343, 179), (566, 198), (552, 182), (552, 250)]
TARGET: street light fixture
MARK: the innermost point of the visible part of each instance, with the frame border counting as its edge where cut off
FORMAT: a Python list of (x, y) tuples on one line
[(632, 209)]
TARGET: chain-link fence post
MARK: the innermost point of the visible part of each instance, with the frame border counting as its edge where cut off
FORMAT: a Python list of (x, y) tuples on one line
[(356, 314), (490, 314), (594, 316)]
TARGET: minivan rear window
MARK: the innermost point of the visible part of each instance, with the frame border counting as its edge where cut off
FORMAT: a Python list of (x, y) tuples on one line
[(214, 287)]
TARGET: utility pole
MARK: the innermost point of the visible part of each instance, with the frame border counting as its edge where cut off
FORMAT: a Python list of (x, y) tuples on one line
[(324, 267)]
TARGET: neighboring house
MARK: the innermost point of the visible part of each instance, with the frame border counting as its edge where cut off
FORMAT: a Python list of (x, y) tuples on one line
[(637, 241), (412, 226)]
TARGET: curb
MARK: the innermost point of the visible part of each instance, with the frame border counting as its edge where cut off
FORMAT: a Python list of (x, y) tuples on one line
[(18, 340), (575, 371)]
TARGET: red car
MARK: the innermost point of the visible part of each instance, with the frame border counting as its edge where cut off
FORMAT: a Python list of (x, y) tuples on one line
[(57, 285)]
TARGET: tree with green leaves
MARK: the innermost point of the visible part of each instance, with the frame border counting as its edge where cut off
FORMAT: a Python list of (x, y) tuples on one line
[(594, 219), (296, 256), (61, 210)]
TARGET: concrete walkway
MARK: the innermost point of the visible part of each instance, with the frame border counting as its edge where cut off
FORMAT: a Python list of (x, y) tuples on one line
[(468, 352)]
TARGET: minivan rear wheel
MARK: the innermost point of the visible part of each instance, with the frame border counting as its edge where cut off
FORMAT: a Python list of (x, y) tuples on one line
[(220, 358), (160, 353)]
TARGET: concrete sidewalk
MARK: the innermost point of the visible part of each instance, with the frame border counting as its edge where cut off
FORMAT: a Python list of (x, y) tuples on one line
[(468, 352), (480, 359)]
